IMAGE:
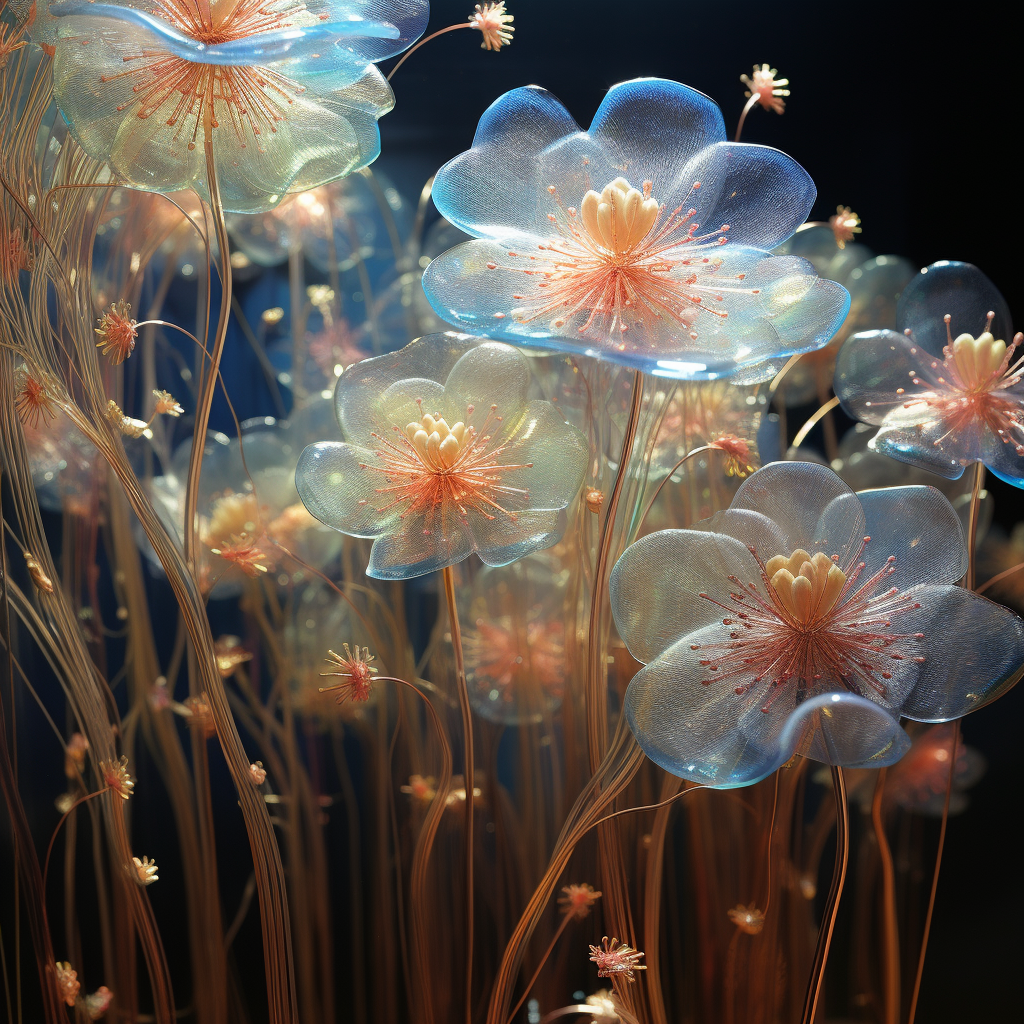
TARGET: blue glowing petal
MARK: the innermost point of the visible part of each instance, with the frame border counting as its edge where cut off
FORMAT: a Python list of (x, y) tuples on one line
[(761, 193), (974, 649), (261, 48), (959, 289), (920, 528), (491, 188)]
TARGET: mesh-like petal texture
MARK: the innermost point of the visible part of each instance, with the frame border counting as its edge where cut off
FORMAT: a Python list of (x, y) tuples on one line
[(511, 468), (741, 672), (285, 97), (685, 289)]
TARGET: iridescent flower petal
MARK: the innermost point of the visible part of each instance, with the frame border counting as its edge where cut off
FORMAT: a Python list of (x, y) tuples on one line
[(335, 488)]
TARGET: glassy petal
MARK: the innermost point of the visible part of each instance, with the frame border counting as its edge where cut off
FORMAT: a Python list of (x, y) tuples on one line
[(654, 586), (973, 649), (763, 195), (491, 189), (500, 543), (339, 491), (422, 544), (962, 291), (920, 528)]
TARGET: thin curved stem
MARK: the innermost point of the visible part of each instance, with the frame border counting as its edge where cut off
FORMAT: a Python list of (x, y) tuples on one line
[(890, 929), (543, 960), (801, 434), (972, 543), (78, 803), (751, 103), (467, 734), (828, 922), (596, 719), (433, 35), (205, 399), (689, 455), (999, 577)]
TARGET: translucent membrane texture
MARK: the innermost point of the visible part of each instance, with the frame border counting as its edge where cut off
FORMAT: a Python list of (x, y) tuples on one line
[(285, 94), (499, 485), (740, 674), (941, 401), (641, 240)]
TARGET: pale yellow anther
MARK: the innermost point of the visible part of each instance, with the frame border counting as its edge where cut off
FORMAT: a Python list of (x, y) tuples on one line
[(977, 359), (807, 586), (437, 444), (618, 217)]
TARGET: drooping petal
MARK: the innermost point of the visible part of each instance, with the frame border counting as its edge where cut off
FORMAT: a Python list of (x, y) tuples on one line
[(762, 194), (962, 291), (844, 729), (920, 528), (654, 586), (336, 488), (491, 189), (973, 650)]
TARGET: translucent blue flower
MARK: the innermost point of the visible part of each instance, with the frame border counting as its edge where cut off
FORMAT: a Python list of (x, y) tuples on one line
[(946, 391), (444, 455), (641, 240), (284, 94), (805, 619)]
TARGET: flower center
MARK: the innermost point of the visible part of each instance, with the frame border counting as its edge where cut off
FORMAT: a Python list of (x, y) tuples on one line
[(619, 218), (806, 586), (438, 445), (977, 359)]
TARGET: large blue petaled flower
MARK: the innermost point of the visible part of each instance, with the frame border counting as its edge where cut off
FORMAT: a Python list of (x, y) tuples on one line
[(641, 240), (942, 396), (284, 93), (806, 619), (444, 455)]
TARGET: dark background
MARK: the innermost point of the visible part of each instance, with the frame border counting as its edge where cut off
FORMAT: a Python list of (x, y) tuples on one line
[(906, 114)]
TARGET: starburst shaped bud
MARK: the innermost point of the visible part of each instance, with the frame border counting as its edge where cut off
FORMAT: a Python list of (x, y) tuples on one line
[(739, 454), (766, 89), (68, 984), (166, 404), (494, 24), (747, 919), (844, 224), (594, 499), (355, 668), (34, 397), (115, 777), (245, 553), (117, 332), (577, 900), (257, 773), (616, 959), (146, 870)]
